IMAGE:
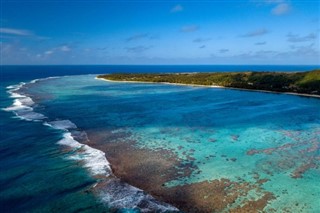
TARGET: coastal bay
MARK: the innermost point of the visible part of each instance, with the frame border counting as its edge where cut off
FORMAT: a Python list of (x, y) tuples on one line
[(160, 106), (196, 148)]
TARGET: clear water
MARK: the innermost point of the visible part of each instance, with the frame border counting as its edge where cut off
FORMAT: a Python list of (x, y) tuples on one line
[(35, 175), (269, 134)]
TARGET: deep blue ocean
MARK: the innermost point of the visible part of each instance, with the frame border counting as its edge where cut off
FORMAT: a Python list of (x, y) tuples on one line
[(43, 169)]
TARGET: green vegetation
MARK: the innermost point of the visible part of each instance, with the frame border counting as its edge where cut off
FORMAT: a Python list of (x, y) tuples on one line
[(297, 82)]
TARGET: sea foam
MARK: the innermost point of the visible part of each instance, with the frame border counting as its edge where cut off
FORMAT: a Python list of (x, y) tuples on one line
[(42, 79), (22, 105), (116, 193), (119, 194), (62, 124), (93, 159)]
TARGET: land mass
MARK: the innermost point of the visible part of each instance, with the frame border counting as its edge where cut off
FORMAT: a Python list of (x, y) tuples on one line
[(307, 83)]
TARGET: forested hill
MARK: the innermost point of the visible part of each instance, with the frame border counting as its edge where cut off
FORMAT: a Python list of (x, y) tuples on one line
[(296, 82)]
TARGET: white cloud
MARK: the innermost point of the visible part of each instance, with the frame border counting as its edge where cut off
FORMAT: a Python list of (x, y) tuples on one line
[(201, 40), (258, 32), (297, 38), (223, 50), (190, 28), (177, 8), (260, 43), (49, 52), (138, 49), (141, 36), (281, 9), (12, 33), (301, 51), (19, 32), (65, 48), (137, 37)]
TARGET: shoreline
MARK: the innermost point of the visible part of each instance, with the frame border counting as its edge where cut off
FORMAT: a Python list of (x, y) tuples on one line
[(120, 182), (214, 86)]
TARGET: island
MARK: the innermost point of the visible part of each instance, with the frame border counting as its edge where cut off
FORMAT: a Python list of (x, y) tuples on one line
[(300, 83)]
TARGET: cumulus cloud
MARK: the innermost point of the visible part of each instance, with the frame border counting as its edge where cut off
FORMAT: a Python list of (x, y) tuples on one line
[(201, 40), (260, 43), (22, 33), (223, 50), (49, 52), (141, 36), (18, 32), (64, 48), (189, 28), (137, 37), (177, 8), (297, 38), (281, 9), (14, 53), (262, 54), (138, 49), (258, 32), (102, 48), (302, 51), (307, 50)]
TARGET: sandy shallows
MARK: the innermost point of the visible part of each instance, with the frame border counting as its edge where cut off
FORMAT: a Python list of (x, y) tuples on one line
[(150, 170)]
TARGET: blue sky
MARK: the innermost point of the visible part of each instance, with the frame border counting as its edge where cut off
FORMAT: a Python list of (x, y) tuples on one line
[(160, 32)]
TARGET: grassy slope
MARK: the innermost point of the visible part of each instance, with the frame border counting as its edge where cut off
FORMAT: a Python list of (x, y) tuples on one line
[(299, 82)]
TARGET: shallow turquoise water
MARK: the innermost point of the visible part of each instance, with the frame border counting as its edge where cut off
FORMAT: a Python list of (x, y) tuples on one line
[(229, 134)]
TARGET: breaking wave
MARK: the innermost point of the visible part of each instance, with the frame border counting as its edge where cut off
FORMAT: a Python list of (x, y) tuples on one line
[(115, 193), (22, 105)]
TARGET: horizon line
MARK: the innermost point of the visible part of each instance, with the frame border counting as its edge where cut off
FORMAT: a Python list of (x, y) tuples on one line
[(160, 65)]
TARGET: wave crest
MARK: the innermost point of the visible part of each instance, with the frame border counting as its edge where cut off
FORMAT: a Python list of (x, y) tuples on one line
[(93, 159), (61, 124), (22, 104), (115, 193)]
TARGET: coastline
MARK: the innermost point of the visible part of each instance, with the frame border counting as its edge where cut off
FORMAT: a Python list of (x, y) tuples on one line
[(41, 134), (214, 86), (119, 182)]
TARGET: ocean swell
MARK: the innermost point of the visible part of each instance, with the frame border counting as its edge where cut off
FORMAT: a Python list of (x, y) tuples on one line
[(115, 193), (93, 159)]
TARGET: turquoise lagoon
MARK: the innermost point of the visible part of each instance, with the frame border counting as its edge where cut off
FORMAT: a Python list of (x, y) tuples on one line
[(222, 133)]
